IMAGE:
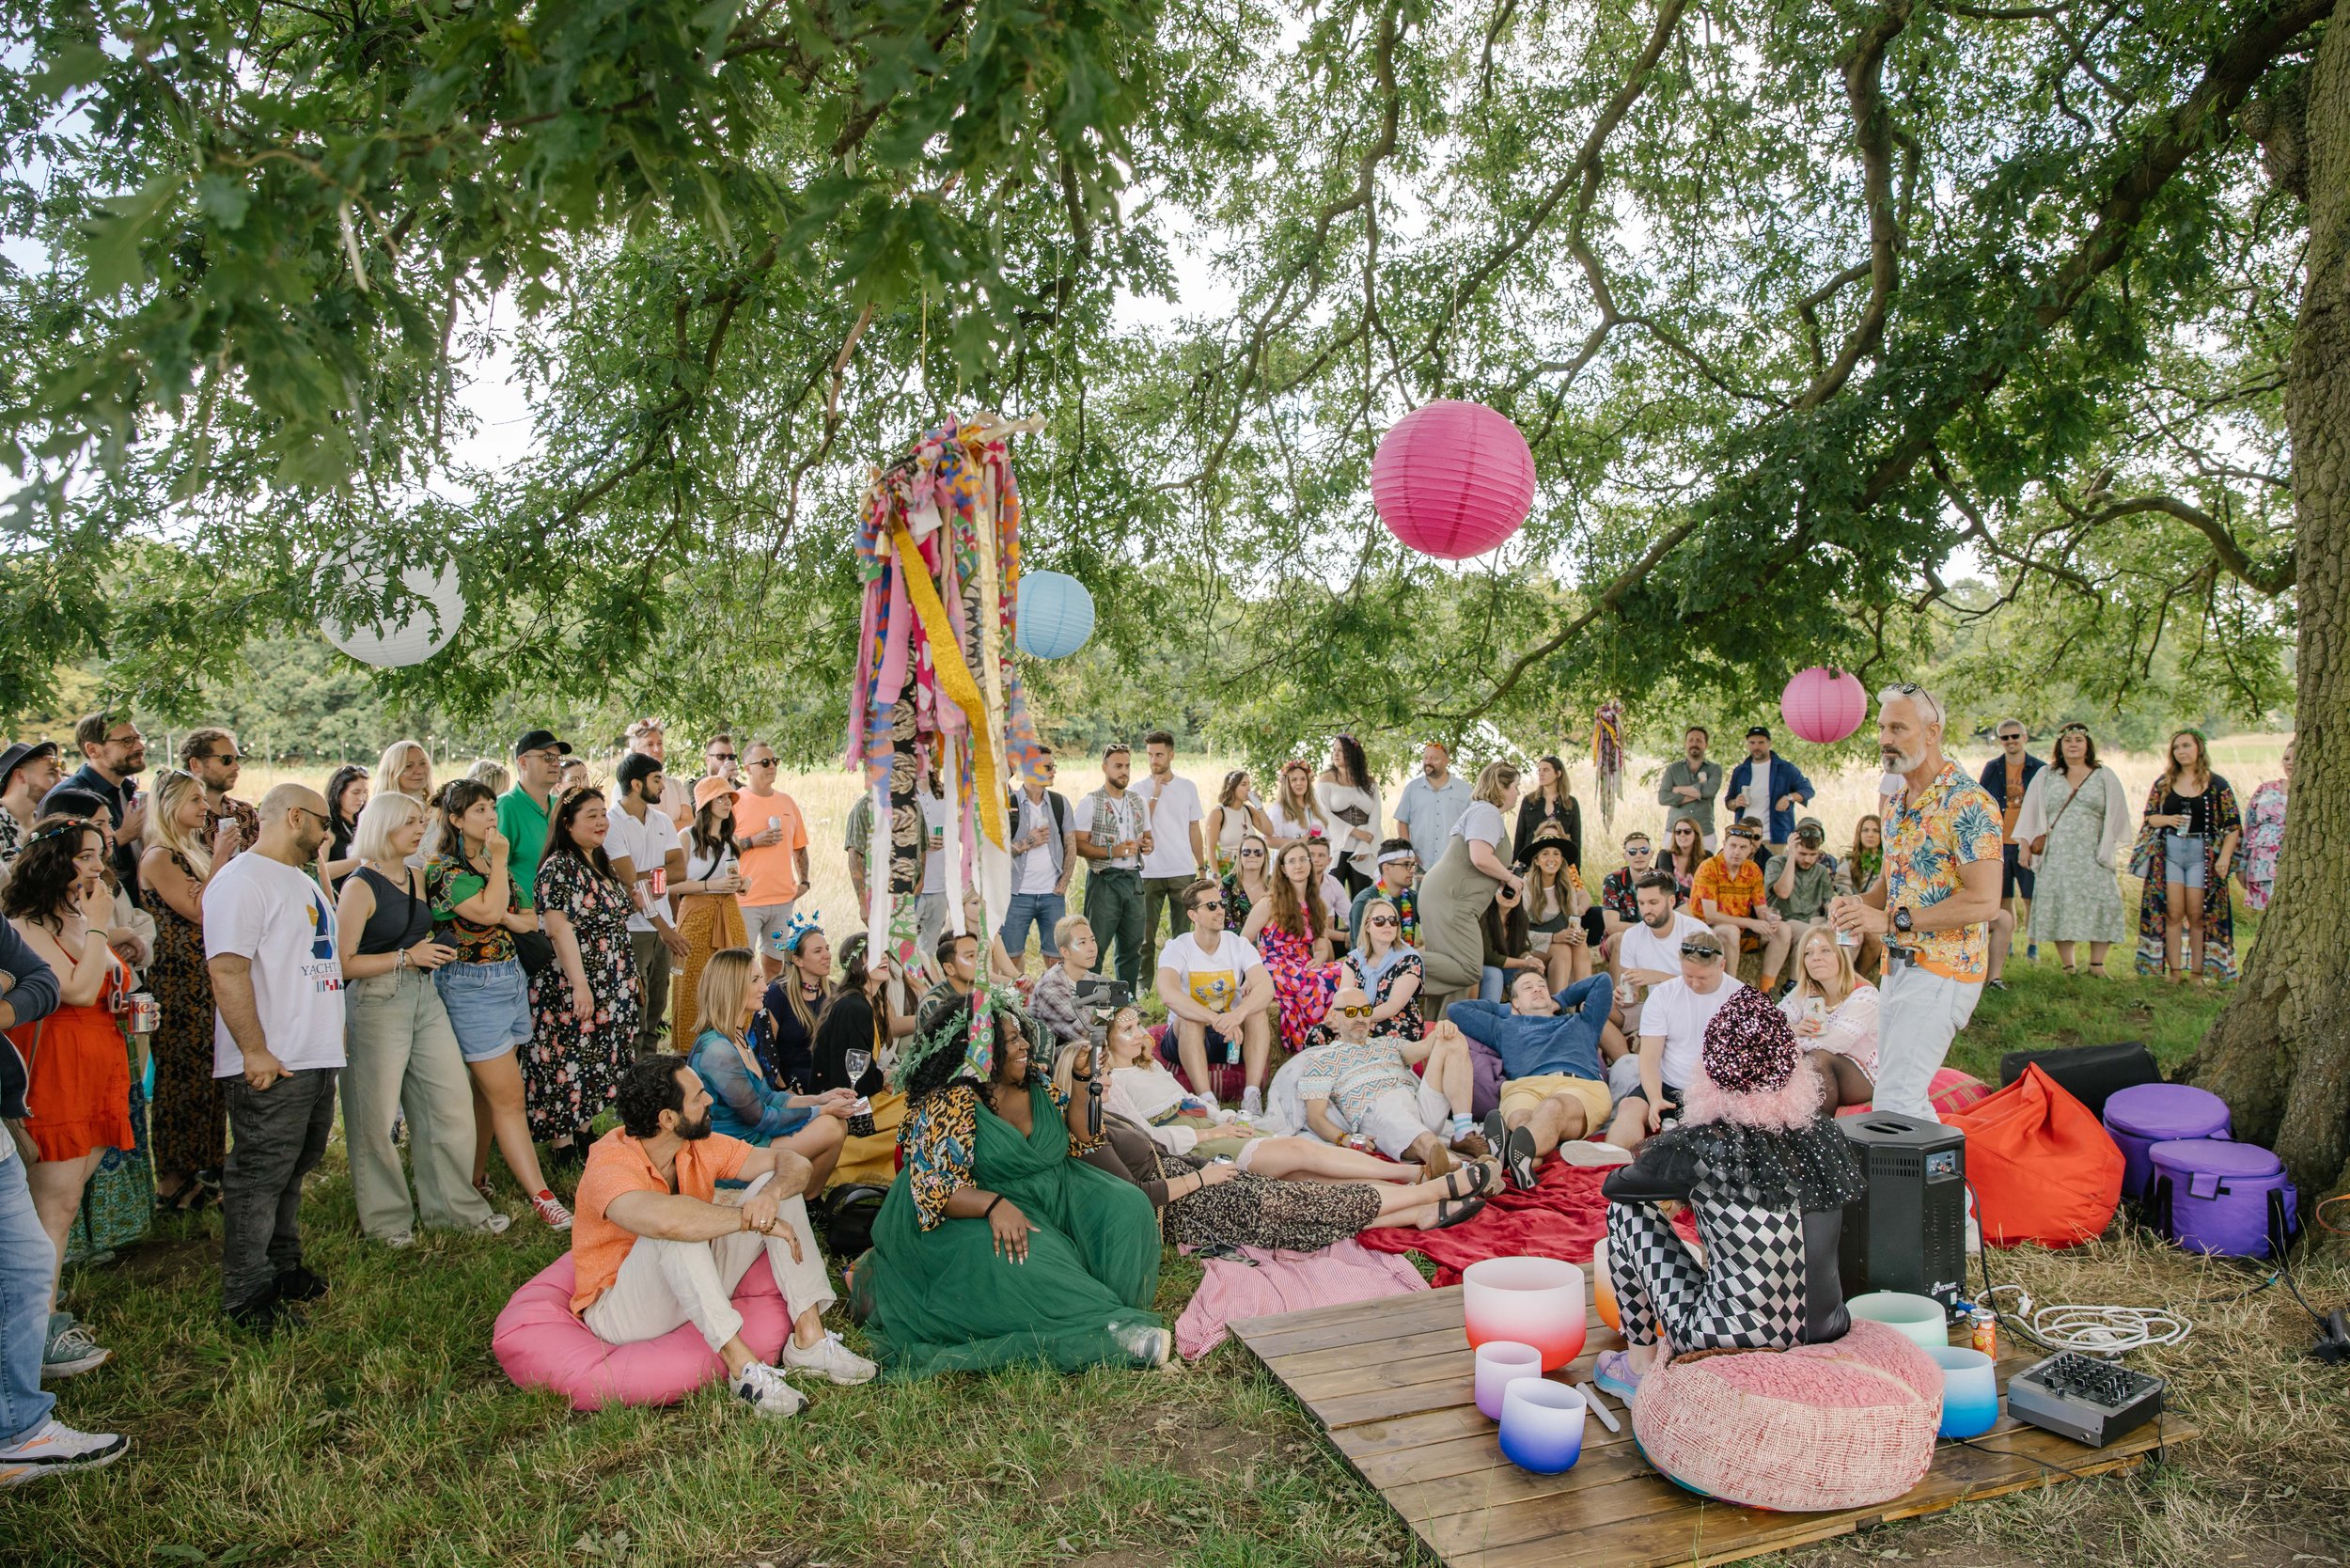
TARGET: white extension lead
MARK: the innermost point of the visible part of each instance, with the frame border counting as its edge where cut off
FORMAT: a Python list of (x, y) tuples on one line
[(2108, 1331)]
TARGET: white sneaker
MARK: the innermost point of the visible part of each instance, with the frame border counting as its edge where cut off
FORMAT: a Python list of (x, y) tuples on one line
[(56, 1449), (1251, 1103), (763, 1389), (828, 1355), (493, 1225), (1591, 1155)]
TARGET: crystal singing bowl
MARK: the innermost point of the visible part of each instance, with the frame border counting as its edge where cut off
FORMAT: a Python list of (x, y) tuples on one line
[(1534, 1301)]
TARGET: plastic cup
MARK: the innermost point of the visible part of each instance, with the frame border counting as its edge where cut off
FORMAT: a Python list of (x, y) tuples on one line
[(1970, 1390), (1500, 1363), (1542, 1425)]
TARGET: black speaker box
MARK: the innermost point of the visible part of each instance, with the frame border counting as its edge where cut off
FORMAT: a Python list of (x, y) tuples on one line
[(2090, 1073), (1908, 1231)]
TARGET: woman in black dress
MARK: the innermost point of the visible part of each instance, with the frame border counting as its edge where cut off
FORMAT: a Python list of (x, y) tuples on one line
[(1548, 809)]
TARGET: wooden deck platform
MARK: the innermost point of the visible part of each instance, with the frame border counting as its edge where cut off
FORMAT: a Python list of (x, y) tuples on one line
[(1390, 1380)]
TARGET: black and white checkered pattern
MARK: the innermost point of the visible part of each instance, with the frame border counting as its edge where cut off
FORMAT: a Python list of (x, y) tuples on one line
[(1749, 1292)]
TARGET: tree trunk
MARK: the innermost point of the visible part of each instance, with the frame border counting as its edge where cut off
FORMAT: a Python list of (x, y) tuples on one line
[(2279, 1053)]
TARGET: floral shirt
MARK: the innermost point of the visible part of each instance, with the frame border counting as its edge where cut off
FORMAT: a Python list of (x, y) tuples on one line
[(1617, 892), (941, 1139), (450, 881), (1725, 891), (1952, 823), (2264, 832)]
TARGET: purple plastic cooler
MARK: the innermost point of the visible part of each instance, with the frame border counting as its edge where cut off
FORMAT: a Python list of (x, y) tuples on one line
[(2217, 1194), (2147, 1114)]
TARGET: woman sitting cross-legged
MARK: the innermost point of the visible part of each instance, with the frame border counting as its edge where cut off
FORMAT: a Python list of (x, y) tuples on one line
[(1767, 1178), (998, 1244), (744, 1101)]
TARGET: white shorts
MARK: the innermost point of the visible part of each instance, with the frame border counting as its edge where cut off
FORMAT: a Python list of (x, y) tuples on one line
[(765, 924), (1398, 1119)]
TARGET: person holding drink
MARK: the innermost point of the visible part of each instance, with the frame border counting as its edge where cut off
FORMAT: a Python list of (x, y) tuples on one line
[(710, 915), (1217, 991)]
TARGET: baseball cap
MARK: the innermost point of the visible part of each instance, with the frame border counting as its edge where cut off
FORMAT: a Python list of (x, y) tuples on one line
[(1810, 832), (541, 740), (1758, 730), (21, 753)]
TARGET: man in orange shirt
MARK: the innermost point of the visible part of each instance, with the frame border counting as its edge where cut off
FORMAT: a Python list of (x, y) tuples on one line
[(772, 856), (1727, 893), (653, 1245)]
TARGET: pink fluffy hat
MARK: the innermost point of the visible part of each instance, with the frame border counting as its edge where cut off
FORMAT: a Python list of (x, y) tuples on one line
[(1750, 1066)]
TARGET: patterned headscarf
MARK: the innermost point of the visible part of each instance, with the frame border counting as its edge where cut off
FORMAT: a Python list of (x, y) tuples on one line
[(960, 1045)]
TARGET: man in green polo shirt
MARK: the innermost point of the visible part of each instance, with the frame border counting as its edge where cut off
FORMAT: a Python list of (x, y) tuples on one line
[(525, 810)]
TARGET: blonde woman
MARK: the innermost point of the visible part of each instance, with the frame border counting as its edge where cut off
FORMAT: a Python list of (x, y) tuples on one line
[(402, 1051), (1294, 813), (492, 773), (188, 1130), (406, 768), (1461, 886), (745, 1102), (1834, 1014), (1249, 883)]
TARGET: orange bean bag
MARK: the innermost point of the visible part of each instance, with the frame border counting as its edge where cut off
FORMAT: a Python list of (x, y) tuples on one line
[(2043, 1167)]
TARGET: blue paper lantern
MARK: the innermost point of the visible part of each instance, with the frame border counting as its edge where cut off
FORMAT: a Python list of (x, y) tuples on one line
[(1056, 614)]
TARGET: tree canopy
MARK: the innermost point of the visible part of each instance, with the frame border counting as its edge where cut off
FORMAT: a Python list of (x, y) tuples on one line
[(1792, 302)]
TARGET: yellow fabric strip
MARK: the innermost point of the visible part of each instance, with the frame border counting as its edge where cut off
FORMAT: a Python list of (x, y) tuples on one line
[(954, 675)]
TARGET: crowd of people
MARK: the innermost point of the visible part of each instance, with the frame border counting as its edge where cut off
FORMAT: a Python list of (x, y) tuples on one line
[(1374, 1015)]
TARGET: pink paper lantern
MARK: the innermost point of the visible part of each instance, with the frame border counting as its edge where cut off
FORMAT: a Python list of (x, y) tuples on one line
[(1452, 480), (1823, 705)]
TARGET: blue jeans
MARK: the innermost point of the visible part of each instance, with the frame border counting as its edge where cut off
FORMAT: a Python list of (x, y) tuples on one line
[(26, 1262), (1042, 910), (1493, 985)]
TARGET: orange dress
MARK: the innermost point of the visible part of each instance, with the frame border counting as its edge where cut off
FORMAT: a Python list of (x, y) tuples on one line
[(79, 1089)]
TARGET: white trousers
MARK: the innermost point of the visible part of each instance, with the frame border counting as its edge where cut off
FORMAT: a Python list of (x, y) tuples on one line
[(1919, 1013), (664, 1283)]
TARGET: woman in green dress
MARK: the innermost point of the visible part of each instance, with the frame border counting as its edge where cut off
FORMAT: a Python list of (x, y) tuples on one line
[(997, 1243)]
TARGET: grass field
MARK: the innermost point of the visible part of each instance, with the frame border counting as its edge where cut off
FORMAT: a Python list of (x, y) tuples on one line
[(384, 1432)]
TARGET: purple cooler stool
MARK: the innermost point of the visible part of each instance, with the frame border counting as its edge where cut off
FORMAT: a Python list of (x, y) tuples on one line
[(2147, 1114), (2215, 1197)]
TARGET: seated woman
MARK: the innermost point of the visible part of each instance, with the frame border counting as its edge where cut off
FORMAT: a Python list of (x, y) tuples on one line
[(1509, 947), (1388, 972), (1834, 1014), (1137, 1086), (1285, 1193), (1767, 1177), (998, 1244), (744, 1101), (1559, 924)]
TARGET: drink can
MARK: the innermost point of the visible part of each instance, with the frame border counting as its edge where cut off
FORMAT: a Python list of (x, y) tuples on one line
[(774, 821), (660, 883), (1983, 1326), (147, 1014), (1231, 1053)]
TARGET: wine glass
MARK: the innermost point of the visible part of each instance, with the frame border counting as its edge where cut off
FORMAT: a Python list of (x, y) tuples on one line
[(856, 1063)]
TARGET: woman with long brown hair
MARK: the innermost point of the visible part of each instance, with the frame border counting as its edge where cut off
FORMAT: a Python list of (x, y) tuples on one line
[(1295, 812), (188, 1126), (710, 918), (1685, 851), (1287, 931), (586, 1001), (2185, 848)]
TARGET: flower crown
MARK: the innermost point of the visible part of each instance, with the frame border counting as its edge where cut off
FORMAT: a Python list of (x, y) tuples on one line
[(797, 929)]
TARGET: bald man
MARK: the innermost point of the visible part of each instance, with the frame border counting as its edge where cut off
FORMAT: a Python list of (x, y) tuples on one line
[(277, 1043)]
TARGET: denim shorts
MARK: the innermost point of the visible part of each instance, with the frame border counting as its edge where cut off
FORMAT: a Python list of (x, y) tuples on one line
[(2183, 860), (489, 1007)]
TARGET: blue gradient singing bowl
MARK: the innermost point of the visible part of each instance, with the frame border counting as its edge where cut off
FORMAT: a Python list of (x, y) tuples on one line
[(1970, 1390), (1542, 1425)]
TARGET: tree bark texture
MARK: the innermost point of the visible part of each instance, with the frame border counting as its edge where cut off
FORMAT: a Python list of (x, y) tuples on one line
[(2279, 1053)]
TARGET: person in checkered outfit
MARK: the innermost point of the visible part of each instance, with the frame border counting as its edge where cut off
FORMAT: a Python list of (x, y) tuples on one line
[(1766, 1174)]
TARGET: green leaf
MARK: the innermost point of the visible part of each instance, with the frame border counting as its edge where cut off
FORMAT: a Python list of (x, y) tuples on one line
[(112, 246), (75, 65), (225, 200)]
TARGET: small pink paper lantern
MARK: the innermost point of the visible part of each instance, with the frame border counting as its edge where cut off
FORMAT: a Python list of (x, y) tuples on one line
[(1452, 480), (1823, 705)]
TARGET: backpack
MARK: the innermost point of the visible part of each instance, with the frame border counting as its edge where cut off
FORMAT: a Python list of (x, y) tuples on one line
[(847, 1215)]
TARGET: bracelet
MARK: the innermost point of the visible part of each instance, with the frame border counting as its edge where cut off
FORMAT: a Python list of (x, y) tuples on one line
[(991, 1207)]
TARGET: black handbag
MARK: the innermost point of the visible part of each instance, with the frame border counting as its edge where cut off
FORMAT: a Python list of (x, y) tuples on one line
[(535, 950)]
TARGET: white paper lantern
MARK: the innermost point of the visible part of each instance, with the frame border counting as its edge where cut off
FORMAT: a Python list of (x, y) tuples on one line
[(422, 632)]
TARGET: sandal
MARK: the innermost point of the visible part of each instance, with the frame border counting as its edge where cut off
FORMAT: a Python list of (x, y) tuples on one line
[(2072, 969), (1460, 1211), (2099, 971)]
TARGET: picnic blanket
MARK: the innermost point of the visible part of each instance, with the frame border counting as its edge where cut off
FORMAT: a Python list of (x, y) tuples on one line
[(1287, 1282), (1564, 1216)]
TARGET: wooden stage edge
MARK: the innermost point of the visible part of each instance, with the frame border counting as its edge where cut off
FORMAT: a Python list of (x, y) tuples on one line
[(1391, 1380)]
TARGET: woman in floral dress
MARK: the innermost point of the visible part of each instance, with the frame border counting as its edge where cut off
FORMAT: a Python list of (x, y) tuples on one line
[(586, 1001), (1286, 930), (2263, 831)]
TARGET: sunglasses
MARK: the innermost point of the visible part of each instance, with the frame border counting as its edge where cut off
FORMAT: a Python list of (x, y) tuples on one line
[(721, 756), (1252, 854), (1911, 689), (1638, 849), (1209, 904), (2010, 737), (1363, 1012), (762, 762), (221, 756), (1381, 920), (1699, 950)]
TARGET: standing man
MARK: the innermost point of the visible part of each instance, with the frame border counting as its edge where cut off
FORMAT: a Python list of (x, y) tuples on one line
[(1690, 783), (644, 842), (1799, 884), (647, 738), (1933, 906), (2005, 778), (269, 943), (1768, 787), (113, 753), (1174, 860), (772, 860), (1117, 837), (28, 771), (1431, 803), (857, 841), (1397, 866), (1044, 857), (209, 756), (526, 810)]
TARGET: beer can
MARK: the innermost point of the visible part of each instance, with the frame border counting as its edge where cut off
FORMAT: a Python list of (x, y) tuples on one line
[(660, 883), (1983, 1326)]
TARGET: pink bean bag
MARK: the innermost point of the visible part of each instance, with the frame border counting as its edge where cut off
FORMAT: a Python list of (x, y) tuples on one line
[(1951, 1092), (542, 1345), (1816, 1428)]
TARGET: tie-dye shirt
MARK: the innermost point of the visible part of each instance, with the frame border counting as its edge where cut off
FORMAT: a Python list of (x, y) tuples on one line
[(1951, 823)]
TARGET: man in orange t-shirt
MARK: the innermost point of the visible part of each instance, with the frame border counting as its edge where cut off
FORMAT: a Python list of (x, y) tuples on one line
[(654, 1245), (771, 856), (1727, 893)]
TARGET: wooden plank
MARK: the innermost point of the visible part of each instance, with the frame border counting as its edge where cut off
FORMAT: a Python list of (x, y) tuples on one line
[(1355, 1322), (1305, 1363)]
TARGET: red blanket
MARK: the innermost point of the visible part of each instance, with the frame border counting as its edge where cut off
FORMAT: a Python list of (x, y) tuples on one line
[(1564, 1216)]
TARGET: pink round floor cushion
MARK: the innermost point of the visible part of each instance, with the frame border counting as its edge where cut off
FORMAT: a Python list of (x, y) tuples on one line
[(1951, 1092), (542, 1345), (1815, 1428)]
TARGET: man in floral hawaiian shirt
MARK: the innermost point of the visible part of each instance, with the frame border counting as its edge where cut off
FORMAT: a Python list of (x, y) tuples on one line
[(1933, 906)]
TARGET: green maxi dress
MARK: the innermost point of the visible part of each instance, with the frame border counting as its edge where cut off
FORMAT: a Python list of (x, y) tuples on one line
[(939, 1299)]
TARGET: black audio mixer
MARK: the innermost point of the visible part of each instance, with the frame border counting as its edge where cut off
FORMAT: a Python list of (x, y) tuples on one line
[(2083, 1398)]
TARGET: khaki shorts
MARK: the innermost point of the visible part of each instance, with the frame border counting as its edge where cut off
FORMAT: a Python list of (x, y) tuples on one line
[(1523, 1094)]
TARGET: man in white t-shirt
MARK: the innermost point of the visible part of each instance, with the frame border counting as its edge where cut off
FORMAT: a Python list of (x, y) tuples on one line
[(1672, 1037), (642, 841), (277, 1040), (1217, 990), (1175, 859), (1044, 857), (1647, 953)]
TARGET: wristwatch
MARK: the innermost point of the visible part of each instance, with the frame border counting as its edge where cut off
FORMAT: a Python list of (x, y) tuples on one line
[(1901, 921)]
